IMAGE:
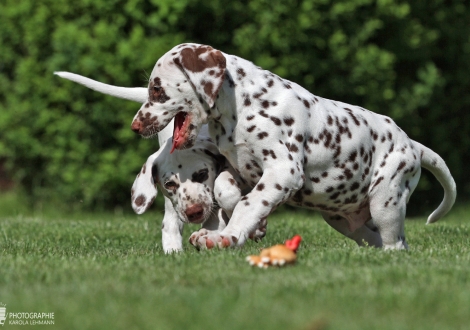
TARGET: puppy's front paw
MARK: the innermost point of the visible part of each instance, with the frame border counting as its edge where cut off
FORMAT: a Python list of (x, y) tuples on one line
[(211, 240), (196, 236)]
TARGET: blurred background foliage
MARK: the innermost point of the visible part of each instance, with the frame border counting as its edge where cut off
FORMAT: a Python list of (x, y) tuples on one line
[(62, 143)]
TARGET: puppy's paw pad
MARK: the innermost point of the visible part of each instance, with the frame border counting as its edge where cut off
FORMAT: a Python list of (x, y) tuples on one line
[(210, 241), (209, 244)]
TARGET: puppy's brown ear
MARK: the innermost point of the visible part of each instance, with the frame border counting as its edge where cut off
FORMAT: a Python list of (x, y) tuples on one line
[(205, 68)]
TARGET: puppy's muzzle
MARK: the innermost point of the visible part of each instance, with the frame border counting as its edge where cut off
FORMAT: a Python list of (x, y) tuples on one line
[(195, 213), (137, 126)]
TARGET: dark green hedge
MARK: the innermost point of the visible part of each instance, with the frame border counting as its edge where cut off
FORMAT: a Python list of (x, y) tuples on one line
[(61, 142)]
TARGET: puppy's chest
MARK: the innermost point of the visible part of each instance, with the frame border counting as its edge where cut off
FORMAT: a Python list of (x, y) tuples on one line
[(223, 133), (242, 156)]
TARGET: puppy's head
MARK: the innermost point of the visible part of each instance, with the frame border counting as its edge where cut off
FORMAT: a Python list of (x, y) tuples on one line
[(183, 85), (186, 177)]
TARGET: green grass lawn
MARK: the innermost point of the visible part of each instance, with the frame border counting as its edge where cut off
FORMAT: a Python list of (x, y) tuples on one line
[(106, 271)]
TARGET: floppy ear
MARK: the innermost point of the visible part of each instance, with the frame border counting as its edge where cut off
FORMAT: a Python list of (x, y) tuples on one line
[(143, 191), (205, 68)]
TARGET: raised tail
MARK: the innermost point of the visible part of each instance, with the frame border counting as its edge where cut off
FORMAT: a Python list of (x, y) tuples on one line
[(136, 94), (436, 165)]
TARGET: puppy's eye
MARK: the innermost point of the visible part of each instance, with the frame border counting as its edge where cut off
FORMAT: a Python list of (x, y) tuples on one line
[(170, 185), (157, 94), (201, 176), (157, 90)]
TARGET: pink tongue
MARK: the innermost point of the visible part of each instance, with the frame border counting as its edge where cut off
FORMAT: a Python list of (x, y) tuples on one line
[(179, 121)]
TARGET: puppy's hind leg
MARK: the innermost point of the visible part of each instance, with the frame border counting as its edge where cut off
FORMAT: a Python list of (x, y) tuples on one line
[(390, 223), (388, 210)]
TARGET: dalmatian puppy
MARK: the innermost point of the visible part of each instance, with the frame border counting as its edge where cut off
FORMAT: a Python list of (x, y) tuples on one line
[(185, 177), (196, 190), (356, 167)]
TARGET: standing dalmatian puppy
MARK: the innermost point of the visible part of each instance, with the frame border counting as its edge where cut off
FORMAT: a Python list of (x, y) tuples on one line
[(186, 178), (356, 167)]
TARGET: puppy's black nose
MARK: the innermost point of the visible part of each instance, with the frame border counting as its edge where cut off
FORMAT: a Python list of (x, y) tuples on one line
[(195, 212), (136, 126)]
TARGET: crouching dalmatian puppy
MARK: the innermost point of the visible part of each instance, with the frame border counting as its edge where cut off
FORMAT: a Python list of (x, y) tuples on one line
[(356, 167), (186, 177), (199, 185)]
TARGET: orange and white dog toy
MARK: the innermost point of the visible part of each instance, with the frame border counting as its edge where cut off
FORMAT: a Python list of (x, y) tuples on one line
[(277, 255)]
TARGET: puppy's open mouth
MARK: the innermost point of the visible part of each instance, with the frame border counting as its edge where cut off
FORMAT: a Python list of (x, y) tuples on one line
[(181, 130)]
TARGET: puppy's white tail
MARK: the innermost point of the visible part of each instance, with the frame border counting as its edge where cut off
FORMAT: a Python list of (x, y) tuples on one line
[(137, 94), (436, 165)]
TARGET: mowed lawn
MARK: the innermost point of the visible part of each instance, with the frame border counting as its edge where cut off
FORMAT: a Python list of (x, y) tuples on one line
[(106, 271)]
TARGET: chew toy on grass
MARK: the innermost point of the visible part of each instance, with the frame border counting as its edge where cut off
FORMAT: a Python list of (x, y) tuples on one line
[(277, 255)]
